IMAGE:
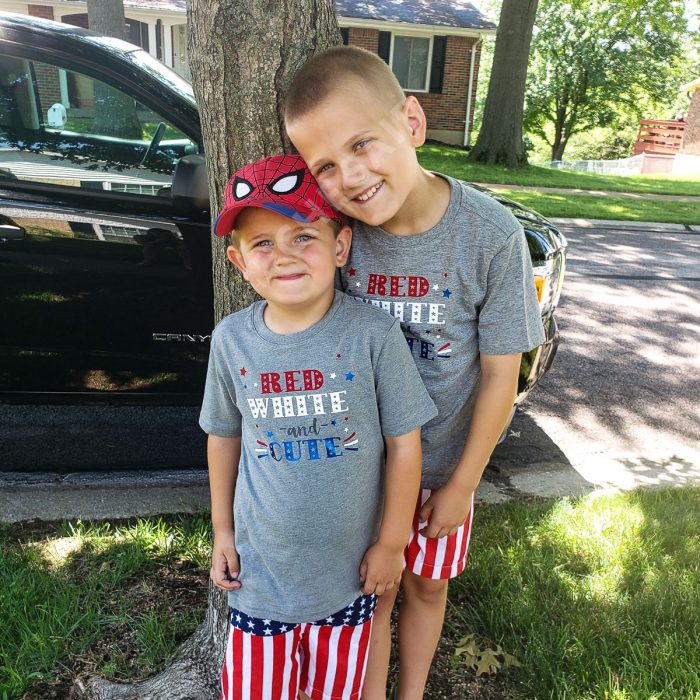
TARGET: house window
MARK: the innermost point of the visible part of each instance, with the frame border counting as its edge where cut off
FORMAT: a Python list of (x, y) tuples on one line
[(410, 61)]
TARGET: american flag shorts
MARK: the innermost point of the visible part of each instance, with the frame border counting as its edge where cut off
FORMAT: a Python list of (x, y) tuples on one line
[(437, 558), (326, 659)]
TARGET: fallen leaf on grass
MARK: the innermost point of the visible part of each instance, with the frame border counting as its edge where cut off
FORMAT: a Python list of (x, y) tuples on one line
[(104, 567), (483, 660)]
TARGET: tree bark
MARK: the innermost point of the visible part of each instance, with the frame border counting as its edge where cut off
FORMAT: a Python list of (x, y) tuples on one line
[(243, 56), (115, 113), (500, 139)]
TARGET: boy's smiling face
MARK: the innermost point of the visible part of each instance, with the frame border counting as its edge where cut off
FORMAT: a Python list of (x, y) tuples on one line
[(291, 264), (362, 153)]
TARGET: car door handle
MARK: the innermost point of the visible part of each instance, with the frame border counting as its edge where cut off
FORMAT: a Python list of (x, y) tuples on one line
[(10, 232)]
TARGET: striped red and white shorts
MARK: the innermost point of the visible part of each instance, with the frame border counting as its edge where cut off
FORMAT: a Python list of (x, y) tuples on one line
[(437, 557), (269, 660)]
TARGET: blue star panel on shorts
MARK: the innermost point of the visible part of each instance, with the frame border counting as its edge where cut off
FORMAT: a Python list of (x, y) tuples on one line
[(357, 613)]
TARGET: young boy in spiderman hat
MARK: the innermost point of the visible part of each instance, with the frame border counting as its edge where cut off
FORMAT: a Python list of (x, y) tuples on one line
[(452, 265), (313, 408)]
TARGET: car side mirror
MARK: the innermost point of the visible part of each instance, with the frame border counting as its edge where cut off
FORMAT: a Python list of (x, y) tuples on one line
[(190, 188)]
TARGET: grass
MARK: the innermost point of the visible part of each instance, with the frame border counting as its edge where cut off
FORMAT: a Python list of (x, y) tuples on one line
[(597, 598), (453, 161), (614, 208), (98, 598)]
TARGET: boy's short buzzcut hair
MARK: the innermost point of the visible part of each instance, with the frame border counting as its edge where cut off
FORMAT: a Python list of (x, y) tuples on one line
[(332, 70)]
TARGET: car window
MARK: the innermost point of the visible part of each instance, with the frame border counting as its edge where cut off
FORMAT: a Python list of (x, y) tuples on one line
[(66, 129)]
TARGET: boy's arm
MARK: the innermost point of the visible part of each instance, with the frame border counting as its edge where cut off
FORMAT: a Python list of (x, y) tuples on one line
[(383, 562), (223, 455), (448, 507)]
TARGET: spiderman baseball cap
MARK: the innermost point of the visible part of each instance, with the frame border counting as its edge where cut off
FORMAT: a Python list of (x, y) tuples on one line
[(283, 184)]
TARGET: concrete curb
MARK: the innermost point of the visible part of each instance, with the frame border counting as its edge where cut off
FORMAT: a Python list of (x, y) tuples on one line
[(101, 495)]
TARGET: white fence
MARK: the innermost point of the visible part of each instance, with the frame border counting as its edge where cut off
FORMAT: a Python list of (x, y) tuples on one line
[(622, 166)]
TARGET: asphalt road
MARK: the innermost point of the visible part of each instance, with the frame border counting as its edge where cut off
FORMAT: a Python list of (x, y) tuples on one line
[(620, 407)]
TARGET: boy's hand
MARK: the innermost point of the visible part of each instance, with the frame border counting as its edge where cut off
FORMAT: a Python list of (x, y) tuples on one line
[(381, 569), (224, 562), (445, 511)]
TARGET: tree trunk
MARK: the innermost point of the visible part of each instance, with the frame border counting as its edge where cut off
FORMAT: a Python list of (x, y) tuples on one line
[(500, 139), (115, 113), (243, 56)]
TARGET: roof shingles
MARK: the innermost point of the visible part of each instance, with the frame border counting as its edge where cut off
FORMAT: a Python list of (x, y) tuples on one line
[(443, 13)]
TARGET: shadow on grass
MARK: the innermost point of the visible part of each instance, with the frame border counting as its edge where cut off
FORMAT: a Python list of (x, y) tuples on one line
[(596, 598), (83, 606)]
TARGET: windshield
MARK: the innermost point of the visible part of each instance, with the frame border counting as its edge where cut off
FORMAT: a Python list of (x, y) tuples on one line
[(151, 65)]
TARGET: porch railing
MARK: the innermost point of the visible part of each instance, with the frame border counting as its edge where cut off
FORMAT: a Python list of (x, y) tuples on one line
[(660, 137)]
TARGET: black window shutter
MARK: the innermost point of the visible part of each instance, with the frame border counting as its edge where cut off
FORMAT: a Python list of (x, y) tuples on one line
[(384, 46), (437, 70), (345, 34)]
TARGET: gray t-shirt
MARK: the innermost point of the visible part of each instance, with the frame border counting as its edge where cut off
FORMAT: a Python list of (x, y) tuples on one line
[(459, 289), (311, 409)]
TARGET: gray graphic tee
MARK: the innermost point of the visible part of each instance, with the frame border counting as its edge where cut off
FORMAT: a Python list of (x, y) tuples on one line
[(311, 409), (459, 289)]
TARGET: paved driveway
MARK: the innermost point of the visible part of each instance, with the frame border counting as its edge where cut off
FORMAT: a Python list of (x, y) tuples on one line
[(621, 405)]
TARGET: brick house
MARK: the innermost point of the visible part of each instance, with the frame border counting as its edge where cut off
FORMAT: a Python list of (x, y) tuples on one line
[(687, 160), (433, 47)]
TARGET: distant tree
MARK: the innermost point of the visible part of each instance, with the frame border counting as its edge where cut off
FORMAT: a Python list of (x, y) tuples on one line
[(593, 59), (115, 113), (500, 138)]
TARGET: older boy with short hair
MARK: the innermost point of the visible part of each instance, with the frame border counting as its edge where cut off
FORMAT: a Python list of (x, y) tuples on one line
[(452, 265), (304, 410)]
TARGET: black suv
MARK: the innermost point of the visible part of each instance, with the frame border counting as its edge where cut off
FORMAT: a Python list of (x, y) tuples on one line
[(105, 257)]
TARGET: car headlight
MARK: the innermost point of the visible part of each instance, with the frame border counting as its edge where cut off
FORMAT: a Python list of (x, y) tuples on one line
[(548, 280)]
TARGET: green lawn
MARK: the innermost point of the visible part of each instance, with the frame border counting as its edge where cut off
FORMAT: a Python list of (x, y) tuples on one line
[(453, 161), (597, 598), (616, 208)]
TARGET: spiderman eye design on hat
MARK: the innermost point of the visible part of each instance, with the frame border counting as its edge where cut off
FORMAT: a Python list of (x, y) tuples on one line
[(287, 183), (280, 183), (241, 188)]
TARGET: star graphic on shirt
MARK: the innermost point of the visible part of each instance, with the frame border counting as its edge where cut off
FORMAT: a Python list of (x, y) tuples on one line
[(256, 384), (357, 284), (333, 375), (266, 622), (270, 434), (283, 629), (347, 430), (436, 287), (444, 274), (329, 619), (333, 422), (268, 631), (338, 356), (349, 376), (352, 272), (346, 419), (251, 624), (238, 618), (447, 294), (243, 372)]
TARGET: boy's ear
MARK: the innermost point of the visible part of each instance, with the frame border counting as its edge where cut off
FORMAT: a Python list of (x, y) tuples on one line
[(415, 116), (234, 256), (342, 245)]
